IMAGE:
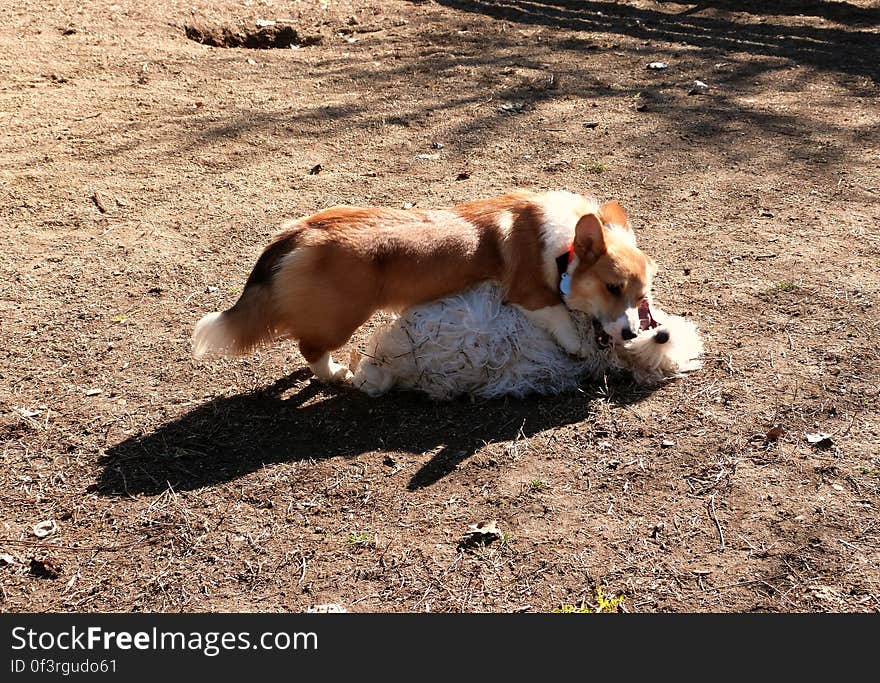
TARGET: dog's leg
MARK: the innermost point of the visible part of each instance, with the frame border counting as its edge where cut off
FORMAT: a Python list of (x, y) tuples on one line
[(557, 321), (325, 369)]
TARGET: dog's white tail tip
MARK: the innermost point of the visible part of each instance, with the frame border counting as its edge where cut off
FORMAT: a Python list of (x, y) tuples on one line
[(211, 335)]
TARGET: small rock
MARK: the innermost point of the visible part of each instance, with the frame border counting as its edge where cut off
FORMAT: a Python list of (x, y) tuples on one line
[(407, 205), (7, 559), (481, 533), (437, 145), (667, 443), (211, 289), (658, 66), (316, 169), (464, 175), (591, 124), (698, 88), (93, 392), (428, 157), (263, 23), (512, 107), (251, 61), (766, 214), (329, 608), (819, 440)]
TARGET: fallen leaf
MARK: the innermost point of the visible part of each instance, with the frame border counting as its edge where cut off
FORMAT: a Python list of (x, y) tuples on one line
[(45, 528), (774, 434)]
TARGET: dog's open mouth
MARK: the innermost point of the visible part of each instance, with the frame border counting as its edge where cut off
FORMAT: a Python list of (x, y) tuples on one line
[(603, 340), (646, 320)]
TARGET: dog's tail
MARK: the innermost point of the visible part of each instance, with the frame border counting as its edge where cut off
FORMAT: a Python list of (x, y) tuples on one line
[(251, 322)]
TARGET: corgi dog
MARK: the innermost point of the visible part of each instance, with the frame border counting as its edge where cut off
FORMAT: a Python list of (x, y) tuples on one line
[(323, 276)]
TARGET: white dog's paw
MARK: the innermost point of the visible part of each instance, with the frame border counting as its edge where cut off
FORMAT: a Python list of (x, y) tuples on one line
[(373, 381), (342, 376)]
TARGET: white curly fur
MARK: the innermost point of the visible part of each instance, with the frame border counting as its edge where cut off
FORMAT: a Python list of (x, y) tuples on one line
[(472, 343)]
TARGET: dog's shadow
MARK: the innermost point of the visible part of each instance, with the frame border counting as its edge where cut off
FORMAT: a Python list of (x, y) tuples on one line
[(299, 420)]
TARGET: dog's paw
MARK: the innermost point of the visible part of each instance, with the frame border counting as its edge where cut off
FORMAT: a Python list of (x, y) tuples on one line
[(341, 375), (374, 381)]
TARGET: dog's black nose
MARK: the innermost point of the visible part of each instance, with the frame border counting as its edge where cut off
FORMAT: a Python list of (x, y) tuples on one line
[(627, 334), (661, 337)]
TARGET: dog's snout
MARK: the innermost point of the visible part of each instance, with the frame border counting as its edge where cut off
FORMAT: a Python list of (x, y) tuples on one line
[(627, 334)]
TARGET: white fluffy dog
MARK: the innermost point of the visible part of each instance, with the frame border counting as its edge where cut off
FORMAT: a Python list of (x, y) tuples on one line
[(473, 343)]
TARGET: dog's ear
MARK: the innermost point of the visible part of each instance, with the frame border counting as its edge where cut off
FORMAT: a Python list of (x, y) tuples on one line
[(612, 213), (589, 239)]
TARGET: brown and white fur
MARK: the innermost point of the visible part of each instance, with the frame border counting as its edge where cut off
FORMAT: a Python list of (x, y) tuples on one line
[(324, 275)]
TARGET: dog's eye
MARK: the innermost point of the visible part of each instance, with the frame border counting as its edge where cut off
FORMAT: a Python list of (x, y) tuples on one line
[(614, 289)]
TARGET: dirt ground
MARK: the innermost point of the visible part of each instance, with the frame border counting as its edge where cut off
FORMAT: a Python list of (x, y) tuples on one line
[(142, 172)]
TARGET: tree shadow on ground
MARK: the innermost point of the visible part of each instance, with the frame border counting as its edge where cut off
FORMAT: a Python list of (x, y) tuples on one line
[(229, 437), (464, 79), (842, 12), (832, 49)]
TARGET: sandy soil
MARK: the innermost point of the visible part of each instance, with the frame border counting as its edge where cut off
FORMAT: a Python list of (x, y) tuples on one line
[(142, 172)]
